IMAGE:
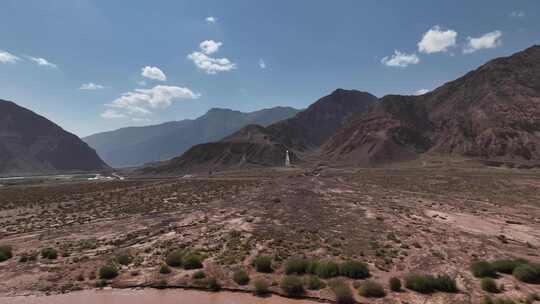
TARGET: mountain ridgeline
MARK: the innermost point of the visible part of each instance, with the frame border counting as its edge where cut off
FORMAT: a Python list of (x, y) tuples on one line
[(31, 144), (138, 145)]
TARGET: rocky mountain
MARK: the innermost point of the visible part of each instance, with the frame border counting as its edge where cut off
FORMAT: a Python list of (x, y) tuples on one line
[(256, 145), (492, 113), (137, 145), (30, 144)]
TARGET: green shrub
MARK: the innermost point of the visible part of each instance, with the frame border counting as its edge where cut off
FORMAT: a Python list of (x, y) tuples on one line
[(192, 261), (483, 269), (101, 283), (124, 259), (314, 283), (371, 289), (174, 258), (108, 272), (489, 285), (429, 284), (6, 253), (327, 269), (354, 270), (296, 266), (263, 264), (395, 284), (292, 285), (49, 253), (241, 277), (164, 269), (213, 285), (313, 266), (199, 275), (528, 273), (343, 293), (261, 288), (507, 265), (444, 283)]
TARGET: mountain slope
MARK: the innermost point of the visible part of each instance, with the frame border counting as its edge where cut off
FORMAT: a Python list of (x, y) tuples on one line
[(29, 143), (491, 113), (137, 145), (255, 145)]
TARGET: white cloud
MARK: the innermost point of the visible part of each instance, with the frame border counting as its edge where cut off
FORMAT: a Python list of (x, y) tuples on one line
[(211, 19), (487, 41), (140, 102), (111, 114), (210, 46), (142, 83), (140, 119), (209, 64), (421, 92), (436, 40), (91, 86), (401, 60), (42, 62), (6, 57), (517, 14), (262, 64), (153, 73)]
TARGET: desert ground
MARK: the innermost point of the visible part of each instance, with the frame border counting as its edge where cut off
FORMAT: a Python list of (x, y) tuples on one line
[(431, 216)]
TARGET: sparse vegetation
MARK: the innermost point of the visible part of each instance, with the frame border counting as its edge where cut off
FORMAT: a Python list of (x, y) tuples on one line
[(342, 292), (296, 266), (241, 277), (483, 269), (164, 269), (395, 284), (263, 264), (292, 285), (174, 258), (489, 285), (108, 272), (192, 261), (49, 253), (354, 270), (528, 273), (507, 265), (371, 289), (213, 284), (6, 253), (199, 275), (328, 269), (261, 287), (429, 284), (314, 283), (124, 259)]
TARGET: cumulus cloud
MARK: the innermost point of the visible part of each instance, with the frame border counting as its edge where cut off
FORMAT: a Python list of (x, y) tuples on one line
[(209, 64), (421, 92), (42, 62), (211, 19), (153, 73), (517, 14), (400, 59), (6, 57), (437, 40), (91, 86), (487, 41), (262, 64), (141, 102), (210, 46), (111, 114)]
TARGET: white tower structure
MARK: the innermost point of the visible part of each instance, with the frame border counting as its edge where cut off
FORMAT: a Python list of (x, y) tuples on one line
[(287, 159)]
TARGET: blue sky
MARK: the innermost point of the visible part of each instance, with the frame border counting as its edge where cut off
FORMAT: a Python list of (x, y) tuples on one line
[(92, 66)]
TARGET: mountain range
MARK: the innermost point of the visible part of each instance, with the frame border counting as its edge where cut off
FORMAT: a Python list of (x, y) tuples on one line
[(30, 144), (135, 146)]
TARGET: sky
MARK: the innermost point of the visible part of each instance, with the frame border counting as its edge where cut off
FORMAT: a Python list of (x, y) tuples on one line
[(93, 66)]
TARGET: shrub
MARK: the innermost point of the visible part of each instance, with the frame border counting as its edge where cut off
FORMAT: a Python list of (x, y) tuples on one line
[(327, 269), (213, 285), (371, 289), (482, 269), (528, 273), (124, 259), (263, 264), (395, 284), (354, 270), (192, 261), (241, 277), (314, 283), (428, 283), (49, 253), (108, 272), (292, 285), (507, 265), (313, 266), (101, 283), (174, 258), (6, 253), (489, 285), (296, 266), (199, 275), (164, 269), (343, 293), (261, 287)]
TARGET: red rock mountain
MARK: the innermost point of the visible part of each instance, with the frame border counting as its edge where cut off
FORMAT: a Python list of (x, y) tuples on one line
[(30, 143), (492, 113)]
